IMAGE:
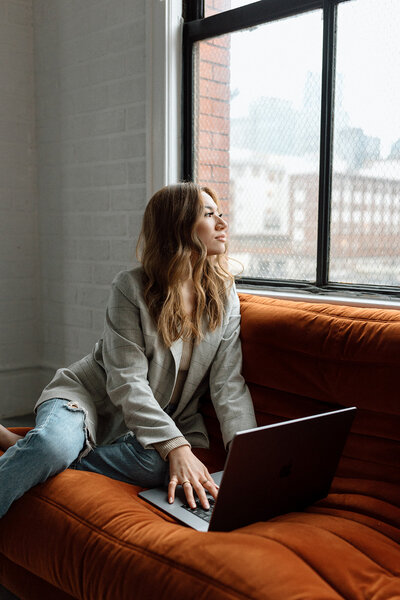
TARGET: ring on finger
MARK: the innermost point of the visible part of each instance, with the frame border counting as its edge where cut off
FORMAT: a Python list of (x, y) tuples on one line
[(187, 481), (204, 482)]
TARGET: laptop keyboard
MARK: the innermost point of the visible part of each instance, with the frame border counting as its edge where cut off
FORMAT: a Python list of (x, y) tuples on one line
[(199, 511)]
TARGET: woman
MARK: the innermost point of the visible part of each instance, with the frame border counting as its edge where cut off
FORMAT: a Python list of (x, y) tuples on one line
[(129, 410)]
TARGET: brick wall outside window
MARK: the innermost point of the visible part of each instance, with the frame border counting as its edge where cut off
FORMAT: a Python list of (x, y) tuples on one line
[(212, 118)]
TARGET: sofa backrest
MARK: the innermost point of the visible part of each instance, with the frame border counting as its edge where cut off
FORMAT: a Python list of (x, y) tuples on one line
[(302, 358)]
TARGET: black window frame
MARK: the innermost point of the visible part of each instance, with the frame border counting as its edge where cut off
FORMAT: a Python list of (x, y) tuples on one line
[(197, 27)]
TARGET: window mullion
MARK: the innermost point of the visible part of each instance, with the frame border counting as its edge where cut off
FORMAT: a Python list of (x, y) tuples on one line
[(193, 10), (188, 106), (325, 173)]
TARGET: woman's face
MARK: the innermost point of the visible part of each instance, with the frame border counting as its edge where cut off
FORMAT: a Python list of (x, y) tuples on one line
[(211, 227)]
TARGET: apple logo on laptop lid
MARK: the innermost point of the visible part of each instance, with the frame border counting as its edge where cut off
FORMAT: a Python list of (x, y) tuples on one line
[(286, 469)]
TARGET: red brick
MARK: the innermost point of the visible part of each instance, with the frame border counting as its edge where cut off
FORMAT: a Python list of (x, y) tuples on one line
[(218, 158), (220, 141), (213, 124), (220, 174), (221, 73), (204, 172), (222, 190), (203, 156), (214, 54), (215, 108), (223, 41), (205, 70), (205, 183), (211, 89), (205, 140), (223, 195), (214, 6), (220, 4)]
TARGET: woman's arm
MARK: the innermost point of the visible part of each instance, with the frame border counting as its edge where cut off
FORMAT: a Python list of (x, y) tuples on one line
[(126, 366), (229, 392)]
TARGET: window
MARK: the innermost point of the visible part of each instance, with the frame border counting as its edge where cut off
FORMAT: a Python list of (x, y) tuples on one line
[(290, 113)]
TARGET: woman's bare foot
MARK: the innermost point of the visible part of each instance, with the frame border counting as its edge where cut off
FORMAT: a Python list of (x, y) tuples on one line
[(7, 438)]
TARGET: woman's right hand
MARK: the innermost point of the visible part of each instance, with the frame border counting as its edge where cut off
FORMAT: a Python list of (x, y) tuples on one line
[(188, 471)]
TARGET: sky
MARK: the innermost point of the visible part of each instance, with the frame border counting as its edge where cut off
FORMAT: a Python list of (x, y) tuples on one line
[(273, 60)]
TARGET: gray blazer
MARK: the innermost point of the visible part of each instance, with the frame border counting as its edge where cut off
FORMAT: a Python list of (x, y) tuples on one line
[(127, 381)]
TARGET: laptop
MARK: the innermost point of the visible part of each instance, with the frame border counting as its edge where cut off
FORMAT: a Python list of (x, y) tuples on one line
[(269, 471)]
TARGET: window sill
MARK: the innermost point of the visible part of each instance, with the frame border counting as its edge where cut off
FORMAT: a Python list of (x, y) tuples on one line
[(323, 298)]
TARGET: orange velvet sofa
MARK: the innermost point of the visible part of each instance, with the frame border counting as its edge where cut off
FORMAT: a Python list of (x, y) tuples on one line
[(83, 536)]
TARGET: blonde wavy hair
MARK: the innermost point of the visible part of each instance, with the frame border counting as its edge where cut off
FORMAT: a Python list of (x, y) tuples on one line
[(171, 252)]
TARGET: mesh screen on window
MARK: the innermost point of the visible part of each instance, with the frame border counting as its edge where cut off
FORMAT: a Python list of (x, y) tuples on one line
[(365, 218), (256, 141)]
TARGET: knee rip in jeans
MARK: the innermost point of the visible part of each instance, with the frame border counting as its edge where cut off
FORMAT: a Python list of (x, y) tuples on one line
[(74, 407)]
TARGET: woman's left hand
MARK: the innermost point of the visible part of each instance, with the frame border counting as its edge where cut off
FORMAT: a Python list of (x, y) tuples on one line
[(188, 471)]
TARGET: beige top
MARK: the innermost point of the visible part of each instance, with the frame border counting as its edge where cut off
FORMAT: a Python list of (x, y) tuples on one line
[(187, 349)]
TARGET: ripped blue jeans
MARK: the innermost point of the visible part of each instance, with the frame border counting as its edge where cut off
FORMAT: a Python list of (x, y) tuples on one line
[(55, 444)]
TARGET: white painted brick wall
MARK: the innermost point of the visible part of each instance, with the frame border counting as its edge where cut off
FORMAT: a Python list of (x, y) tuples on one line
[(72, 181), (91, 115), (19, 273)]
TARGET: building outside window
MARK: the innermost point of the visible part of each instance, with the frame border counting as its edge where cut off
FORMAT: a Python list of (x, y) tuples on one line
[(291, 114)]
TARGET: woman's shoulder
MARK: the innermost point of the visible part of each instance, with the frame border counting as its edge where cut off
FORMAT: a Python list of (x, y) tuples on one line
[(232, 298), (130, 282)]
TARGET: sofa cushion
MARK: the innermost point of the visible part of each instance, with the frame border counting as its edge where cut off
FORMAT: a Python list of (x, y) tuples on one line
[(94, 538)]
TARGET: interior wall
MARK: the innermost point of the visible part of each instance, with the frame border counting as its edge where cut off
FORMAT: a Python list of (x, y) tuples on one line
[(90, 97), (68, 227), (20, 339)]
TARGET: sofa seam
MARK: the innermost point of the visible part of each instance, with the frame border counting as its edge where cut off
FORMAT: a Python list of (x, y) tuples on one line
[(306, 562), (342, 491), (363, 461), (371, 461), (358, 522), (385, 569), (327, 315), (361, 512), (154, 556), (318, 357)]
